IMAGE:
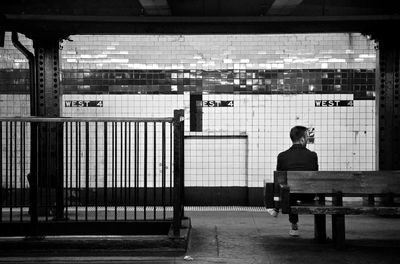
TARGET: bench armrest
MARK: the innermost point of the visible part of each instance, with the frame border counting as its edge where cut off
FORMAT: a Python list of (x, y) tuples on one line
[(282, 191), (269, 195)]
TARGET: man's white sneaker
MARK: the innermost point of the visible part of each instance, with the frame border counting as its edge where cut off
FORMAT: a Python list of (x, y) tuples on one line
[(294, 231), (273, 212)]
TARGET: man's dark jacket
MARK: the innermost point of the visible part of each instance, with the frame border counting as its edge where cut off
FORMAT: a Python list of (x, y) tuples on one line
[(297, 158)]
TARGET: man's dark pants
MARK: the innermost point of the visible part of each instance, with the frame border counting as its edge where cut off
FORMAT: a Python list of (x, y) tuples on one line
[(303, 198)]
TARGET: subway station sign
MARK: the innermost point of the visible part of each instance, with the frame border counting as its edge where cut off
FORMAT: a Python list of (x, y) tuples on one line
[(218, 104), (83, 103), (334, 103)]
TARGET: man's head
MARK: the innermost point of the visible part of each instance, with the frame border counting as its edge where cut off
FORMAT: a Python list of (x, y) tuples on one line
[(299, 135)]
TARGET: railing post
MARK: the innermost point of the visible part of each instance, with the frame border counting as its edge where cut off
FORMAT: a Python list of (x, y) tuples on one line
[(32, 179), (178, 171), (182, 161), (59, 150)]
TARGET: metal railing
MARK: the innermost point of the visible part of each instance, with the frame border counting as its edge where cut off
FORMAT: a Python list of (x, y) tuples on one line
[(112, 169)]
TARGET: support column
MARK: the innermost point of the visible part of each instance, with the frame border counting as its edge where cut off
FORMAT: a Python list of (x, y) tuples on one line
[(50, 135), (388, 100)]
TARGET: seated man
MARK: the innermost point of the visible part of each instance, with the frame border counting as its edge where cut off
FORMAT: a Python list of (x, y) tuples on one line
[(297, 158)]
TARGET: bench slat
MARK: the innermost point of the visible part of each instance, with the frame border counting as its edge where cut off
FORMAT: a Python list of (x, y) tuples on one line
[(363, 182), (347, 210)]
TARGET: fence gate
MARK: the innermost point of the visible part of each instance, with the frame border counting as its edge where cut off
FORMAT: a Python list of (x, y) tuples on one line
[(120, 176)]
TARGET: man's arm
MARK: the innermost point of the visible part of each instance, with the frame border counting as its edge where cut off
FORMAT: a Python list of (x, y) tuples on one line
[(279, 163), (316, 161)]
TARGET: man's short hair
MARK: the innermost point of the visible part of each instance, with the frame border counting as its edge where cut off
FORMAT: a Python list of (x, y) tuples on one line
[(297, 132)]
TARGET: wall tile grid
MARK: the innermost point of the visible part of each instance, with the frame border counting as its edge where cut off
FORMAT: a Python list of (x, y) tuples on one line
[(14, 101), (273, 81)]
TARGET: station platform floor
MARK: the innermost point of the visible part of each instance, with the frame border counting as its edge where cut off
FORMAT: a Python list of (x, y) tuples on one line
[(251, 235)]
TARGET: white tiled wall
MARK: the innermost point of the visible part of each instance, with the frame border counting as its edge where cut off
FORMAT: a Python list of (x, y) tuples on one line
[(14, 105), (127, 105), (216, 161), (280, 51), (246, 138), (210, 52), (344, 136), (260, 124)]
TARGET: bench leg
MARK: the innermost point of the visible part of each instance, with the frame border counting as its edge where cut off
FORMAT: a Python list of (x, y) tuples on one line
[(320, 228), (338, 230), (269, 195)]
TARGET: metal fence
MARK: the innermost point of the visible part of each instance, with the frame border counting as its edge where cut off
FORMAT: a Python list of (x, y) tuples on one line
[(108, 170)]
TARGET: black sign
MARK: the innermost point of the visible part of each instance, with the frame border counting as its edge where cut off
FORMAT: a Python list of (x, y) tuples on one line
[(83, 103), (333, 103), (218, 103)]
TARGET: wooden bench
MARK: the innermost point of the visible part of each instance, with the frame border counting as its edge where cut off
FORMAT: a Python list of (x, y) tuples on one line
[(336, 184)]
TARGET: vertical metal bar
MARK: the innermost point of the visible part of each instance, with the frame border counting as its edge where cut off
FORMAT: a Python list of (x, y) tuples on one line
[(178, 173), (182, 161), (15, 166), (33, 178), (77, 154), (49, 165), (24, 164), (41, 162), (155, 169), (121, 164), (176, 202), (66, 169), (21, 168), (125, 170), (137, 167), (59, 173), (1, 170), (129, 160), (11, 174), (25, 169), (47, 157), (23, 158), (71, 124), (116, 170), (112, 162), (7, 164), (105, 170), (163, 167), (87, 169), (135, 173), (96, 175), (145, 172), (11, 170), (79, 164), (23, 175), (170, 161)]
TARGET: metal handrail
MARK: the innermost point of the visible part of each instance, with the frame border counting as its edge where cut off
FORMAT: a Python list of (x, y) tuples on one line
[(84, 119)]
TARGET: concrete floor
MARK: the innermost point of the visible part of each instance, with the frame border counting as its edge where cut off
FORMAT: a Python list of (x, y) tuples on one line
[(250, 235)]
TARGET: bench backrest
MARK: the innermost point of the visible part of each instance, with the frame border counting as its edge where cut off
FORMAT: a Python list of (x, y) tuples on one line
[(349, 182)]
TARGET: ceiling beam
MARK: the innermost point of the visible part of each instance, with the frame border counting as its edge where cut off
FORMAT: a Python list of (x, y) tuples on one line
[(283, 7), (70, 25), (196, 19), (156, 7)]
